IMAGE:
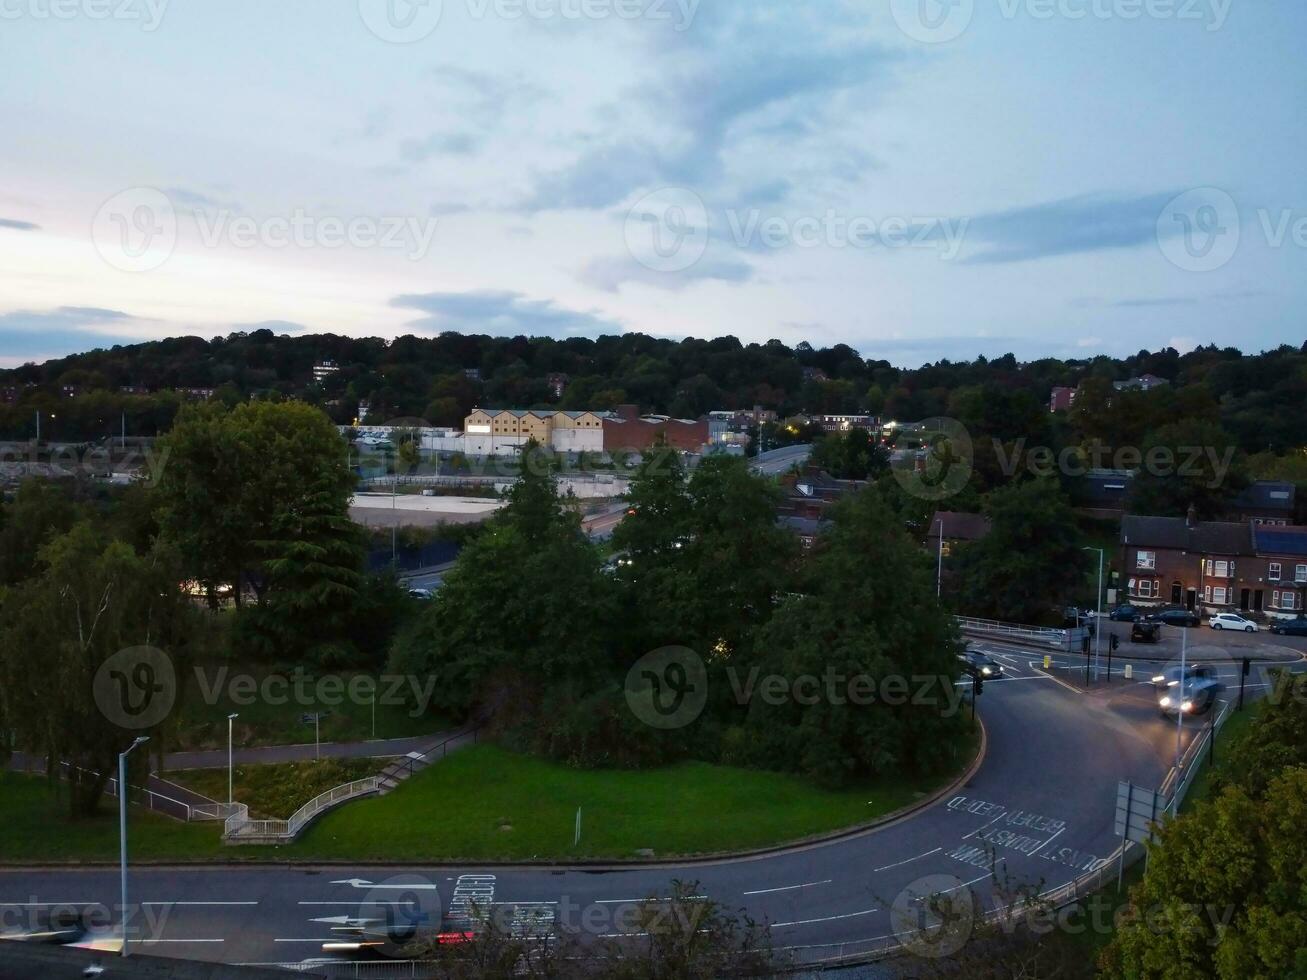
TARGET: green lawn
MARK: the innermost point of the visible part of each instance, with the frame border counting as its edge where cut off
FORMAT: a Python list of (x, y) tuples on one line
[(277, 791), (1235, 728), (207, 700), (483, 803), (486, 803)]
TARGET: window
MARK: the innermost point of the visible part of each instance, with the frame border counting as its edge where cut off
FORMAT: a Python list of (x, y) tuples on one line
[(1300, 573), (1273, 571), (1146, 559), (1289, 600), (1219, 595), (1145, 588)]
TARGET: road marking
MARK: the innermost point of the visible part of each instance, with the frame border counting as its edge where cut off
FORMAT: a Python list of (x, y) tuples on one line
[(179, 940), (638, 901), (788, 888), (329, 939), (371, 901), (986, 826), (170, 904), (909, 860), (829, 918)]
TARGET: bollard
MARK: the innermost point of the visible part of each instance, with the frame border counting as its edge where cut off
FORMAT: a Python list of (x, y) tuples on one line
[(1048, 661), (1129, 672)]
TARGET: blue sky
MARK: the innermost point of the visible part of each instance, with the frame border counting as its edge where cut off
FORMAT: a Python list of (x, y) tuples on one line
[(916, 178)]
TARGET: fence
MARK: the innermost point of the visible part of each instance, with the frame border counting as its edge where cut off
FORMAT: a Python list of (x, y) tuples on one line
[(148, 798), (1058, 639)]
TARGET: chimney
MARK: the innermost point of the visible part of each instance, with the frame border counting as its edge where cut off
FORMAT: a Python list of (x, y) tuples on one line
[(1191, 518)]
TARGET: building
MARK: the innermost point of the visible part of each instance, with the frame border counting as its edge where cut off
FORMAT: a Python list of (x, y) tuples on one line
[(949, 529), (1265, 502), (198, 394), (133, 390), (1145, 382), (364, 408), (324, 370), (843, 423), (472, 374), (1062, 399), (1102, 493), (557, 383), (1215, 566), (489, 432), (628, 431)]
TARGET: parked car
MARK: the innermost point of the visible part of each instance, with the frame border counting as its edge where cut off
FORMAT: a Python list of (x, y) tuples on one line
[(1193, 695), (1125, 614), (1291, 627), (1142, 631), (980, 665), (1229, 621), (1176, 617), (1073, 618)]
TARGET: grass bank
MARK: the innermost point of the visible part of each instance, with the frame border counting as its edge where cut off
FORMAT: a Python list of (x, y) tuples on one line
[(277, 791)]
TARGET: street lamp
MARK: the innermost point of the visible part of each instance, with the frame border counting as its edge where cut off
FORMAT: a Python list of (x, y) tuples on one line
[(939, 566), (230, 718), (1098, 623), (122, 828)]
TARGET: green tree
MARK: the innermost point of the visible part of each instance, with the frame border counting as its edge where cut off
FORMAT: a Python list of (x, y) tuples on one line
[(868, 611), (91, 598), (853, 455), (41, 510), (1031, 560), (1191, 463)]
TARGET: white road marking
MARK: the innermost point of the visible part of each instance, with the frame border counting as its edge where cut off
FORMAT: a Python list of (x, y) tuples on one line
[(988, 825), (829, 918), (788, 888), (179, 940), (909, 860), (170, 904), (637, 901)]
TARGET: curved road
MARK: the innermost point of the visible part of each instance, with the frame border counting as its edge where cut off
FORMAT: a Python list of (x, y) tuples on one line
[(1043, 802)]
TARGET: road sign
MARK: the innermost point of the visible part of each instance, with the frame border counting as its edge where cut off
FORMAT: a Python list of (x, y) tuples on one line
[(1137, 811)]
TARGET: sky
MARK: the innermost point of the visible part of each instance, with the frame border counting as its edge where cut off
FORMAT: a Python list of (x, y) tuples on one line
[(918, 179)]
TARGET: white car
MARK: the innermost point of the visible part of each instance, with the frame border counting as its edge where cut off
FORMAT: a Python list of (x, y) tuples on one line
[(1229, 621)]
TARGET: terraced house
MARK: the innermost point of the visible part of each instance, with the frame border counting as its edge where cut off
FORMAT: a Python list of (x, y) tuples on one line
[(1215, 566)]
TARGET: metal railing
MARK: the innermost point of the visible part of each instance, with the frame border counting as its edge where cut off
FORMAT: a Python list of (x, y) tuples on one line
[(148, 798), (1057, 638), (358, 969)]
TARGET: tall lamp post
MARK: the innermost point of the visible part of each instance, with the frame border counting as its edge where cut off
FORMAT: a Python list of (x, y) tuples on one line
[(939, 564), (122, 828), (230, 769), (1098, 623)]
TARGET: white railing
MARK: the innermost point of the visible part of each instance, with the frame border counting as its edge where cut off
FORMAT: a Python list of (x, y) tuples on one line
[(238, 824), (359, 969), (148, 798), (1059, 638)]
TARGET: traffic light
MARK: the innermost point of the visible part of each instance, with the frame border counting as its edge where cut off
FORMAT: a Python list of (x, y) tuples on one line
[(1116, 642), (977, 685)]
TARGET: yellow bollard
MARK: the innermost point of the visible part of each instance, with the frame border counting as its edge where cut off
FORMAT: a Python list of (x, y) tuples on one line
[(1048, 661), (1129, 672)]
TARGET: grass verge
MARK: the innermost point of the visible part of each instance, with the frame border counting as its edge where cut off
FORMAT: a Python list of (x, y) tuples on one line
[(484, 803), (277, 791)]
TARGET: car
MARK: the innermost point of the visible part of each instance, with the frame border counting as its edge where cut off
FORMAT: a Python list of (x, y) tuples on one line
[(980, 665), (1176, 617), (1193, 694), (423, 594), (1171, 676), (1145, 632), (1125, 614), (1291, 627), (1074, 618), (1229, 621)]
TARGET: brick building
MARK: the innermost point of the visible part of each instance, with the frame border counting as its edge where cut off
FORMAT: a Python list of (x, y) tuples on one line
[(1215, 566), (628, 431)]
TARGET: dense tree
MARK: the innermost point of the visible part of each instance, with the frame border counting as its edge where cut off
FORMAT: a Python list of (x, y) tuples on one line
[(1030, 562), (868, 611), (41, 510), (853, 455), (90, 599), (1187, 464)]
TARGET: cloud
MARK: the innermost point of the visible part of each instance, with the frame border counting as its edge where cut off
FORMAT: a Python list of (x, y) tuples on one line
[(501, 313), (750, 79), (17, 225), (610, 274), (31, 335), (1073, 225), (198, 199), (276, 326)]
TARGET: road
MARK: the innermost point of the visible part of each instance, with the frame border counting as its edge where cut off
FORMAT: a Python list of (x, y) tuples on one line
[(1043, 801), (777, 461)]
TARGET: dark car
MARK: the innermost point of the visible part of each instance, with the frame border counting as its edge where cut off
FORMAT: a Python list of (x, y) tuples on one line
[(1125, 614), (1291, 627), (1145, 632), (980, 665), (1176, 617), (1073, 618), (1192, 692)]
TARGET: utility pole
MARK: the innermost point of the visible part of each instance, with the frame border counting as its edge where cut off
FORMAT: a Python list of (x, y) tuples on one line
[(939, 564), (1098, 622), (122, 830)]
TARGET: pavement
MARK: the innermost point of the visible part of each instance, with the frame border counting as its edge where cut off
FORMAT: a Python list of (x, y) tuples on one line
[(1042, 803), (776, 461)]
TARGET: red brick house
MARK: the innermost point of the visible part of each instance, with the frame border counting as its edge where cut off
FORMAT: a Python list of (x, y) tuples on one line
[(1214, 566), (628, 431)]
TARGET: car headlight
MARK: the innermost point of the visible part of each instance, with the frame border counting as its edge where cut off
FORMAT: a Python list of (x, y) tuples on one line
[(1165, 702), (1187, 706), (987, 670), (1159, 678)]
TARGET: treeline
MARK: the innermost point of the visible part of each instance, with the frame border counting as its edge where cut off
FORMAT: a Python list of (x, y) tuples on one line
[(439, 379)]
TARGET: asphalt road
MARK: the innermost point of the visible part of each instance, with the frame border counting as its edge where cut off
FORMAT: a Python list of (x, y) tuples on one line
[(1043, 801), (776, 461)]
